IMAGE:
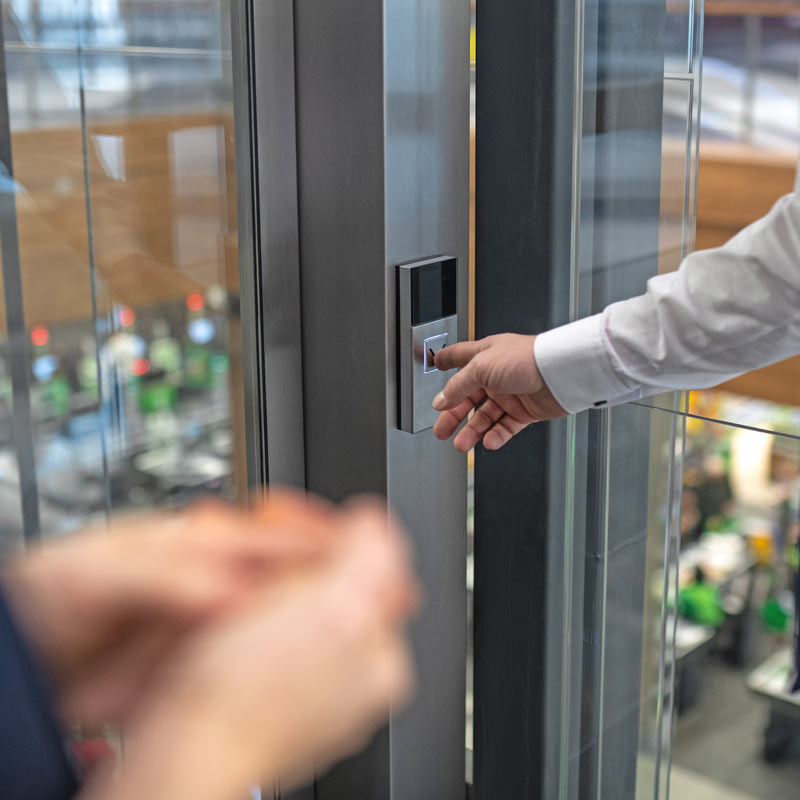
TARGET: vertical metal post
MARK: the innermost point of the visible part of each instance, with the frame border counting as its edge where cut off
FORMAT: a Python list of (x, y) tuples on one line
[(752, 54), (269, 261), (524, 163), (383, 145), (19, 355)]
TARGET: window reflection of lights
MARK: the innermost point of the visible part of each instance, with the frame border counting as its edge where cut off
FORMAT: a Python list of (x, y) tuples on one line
[(126, 347), (44, 367), (111, 154), (40, 336), (195, 302), (202, 330), (126, 316), (219, 363), (217, 298), (140, 366)]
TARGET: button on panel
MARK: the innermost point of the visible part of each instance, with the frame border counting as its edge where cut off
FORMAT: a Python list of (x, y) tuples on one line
[(431, 347)]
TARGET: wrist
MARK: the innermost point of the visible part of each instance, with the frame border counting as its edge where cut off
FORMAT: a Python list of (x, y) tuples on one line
[(177, 749)]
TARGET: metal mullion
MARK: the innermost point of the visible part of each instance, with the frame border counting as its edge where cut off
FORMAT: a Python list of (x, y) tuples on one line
[(15, 325)]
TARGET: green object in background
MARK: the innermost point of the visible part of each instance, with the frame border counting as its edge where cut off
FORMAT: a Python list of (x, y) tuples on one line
[(87, 374), (165, 354), (718, 523), (58, 395), (197, 369), (6, 389), (700, 603), (156, 396), (775, 616), (219, 363)]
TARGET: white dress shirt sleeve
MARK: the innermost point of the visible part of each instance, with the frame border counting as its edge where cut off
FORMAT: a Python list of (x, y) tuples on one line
[(723, 313)]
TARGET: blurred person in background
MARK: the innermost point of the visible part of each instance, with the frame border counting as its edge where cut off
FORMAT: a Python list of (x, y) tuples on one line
[(231, 648)]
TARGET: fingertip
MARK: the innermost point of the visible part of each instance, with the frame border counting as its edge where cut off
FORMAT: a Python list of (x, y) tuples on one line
[(462, 444), (492, 441)]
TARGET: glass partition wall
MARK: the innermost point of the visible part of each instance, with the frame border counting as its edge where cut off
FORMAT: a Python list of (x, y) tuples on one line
[(637, 161), (639, 109), (577, 524), (636, 157), (120, 269)]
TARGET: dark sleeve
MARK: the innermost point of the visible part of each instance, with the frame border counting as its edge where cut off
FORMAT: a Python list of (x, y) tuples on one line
[(33, 759)]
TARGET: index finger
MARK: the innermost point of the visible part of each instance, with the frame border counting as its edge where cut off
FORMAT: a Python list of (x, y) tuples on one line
[(457, 355)]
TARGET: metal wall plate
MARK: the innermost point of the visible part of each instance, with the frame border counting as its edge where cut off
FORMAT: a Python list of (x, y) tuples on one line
[(419, 384)]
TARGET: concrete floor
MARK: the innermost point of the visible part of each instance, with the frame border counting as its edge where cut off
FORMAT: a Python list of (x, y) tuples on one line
[(686, 785), (718, 744)]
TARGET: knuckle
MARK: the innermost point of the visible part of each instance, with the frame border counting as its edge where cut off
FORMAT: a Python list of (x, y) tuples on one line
[(481, 368), (480, 417)]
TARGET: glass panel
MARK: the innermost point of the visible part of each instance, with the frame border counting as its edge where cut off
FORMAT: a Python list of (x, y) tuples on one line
[(679, 156), (750, 143), (656, 711), (737, 729), (674, 153), (121, 118), (637, 219), (626, 704)]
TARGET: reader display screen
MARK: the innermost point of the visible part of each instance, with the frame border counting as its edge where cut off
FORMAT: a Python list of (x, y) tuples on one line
[(433, 292)]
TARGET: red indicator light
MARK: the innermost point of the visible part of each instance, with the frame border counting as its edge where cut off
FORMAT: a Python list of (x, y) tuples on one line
[(126, 317), (140, 366), (195, 302), (40, 336)]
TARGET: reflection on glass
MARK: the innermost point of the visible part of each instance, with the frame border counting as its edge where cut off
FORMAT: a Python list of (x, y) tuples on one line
[(751, 69), (750, 144), (656, 712), (676, 151), (737, 730), (122, 140)]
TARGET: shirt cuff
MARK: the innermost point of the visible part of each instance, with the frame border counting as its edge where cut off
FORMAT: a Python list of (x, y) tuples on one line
[(576, 367)]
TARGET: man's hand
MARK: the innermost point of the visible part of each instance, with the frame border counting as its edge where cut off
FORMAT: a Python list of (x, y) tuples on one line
[(301, 675), (103, 610), (500, 382)]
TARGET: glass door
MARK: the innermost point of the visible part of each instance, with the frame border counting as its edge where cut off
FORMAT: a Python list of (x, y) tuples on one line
[(121, 356), (587, 118)]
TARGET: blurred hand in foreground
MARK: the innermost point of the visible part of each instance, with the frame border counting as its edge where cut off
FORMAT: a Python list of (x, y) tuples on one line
[(103, 608), (231, 645), (301, 675), (499, 381)]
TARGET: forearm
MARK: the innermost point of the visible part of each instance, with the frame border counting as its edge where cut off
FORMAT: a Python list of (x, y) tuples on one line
[(726, 311), (177, 752)]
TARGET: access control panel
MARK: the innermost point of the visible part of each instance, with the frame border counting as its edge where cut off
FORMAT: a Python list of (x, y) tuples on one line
[(427, 319)]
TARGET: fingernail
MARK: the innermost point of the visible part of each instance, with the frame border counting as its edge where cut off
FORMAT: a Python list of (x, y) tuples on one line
[(438, 401)]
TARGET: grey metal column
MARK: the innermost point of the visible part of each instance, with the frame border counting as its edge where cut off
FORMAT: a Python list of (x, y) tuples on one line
[(269, 270), (16, 331), (383, 138), (524, 163)]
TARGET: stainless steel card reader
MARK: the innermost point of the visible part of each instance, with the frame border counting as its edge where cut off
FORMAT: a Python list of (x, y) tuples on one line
[(427, 321)]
